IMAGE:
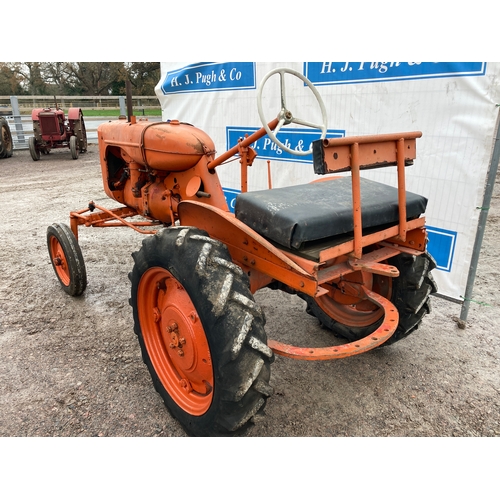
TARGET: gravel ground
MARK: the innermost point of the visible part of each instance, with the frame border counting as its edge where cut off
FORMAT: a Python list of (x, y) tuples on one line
[(72, 366)]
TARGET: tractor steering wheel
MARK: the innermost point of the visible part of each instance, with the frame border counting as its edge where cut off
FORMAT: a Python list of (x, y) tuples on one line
[(285, 116)]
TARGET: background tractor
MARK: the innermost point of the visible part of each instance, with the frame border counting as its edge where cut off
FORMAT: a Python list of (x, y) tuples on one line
[(352, 248), (52, 130)]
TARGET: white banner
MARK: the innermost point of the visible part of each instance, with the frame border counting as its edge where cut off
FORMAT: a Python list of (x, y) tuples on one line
[(453, 104)]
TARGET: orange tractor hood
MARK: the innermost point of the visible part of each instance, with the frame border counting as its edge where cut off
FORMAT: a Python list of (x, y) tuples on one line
[(171, 146)]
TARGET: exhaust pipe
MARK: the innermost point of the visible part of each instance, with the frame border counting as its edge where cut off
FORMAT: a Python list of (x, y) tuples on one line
[(130, 110)]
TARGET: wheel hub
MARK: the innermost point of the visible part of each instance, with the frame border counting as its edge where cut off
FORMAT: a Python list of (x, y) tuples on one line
[(346, 304), (59, 260), (175, 340)]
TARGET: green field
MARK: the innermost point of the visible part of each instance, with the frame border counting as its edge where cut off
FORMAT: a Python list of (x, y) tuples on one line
[(116, 112)]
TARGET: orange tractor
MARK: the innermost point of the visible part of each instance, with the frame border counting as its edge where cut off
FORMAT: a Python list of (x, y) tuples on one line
[(353, 249)]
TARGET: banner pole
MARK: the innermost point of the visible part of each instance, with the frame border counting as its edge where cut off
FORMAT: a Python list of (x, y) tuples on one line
[(483, 215)]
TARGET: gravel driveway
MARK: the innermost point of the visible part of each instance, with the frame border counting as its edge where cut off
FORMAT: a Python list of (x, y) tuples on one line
[(72, 366)]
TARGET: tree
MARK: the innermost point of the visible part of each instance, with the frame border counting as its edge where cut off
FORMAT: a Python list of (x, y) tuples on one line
[(57, 76), (10, 82), (30, 75), (97, 78), (78, 78), (143, 76)]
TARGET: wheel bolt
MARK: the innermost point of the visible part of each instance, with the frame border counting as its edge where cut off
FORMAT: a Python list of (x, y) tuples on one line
[(185, 385), (172, 328), (156, 315), (180, 352)]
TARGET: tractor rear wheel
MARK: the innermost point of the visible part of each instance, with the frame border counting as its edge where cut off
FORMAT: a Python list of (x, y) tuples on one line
[(73, 146), (201, 333), (67, 260), (351, 318), (6, 144), (81, 134), (34, 149)]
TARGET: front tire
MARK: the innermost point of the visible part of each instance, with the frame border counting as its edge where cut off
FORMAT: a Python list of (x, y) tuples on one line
[(410, 293), (73, 146), (200, 331), (34, 149), (66, 258)]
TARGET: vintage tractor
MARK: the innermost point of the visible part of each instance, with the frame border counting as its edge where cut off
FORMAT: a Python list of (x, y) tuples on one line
[(353, 249), (51, 130)]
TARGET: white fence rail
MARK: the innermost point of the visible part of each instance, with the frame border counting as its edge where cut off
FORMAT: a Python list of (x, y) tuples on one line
[(29, 102)]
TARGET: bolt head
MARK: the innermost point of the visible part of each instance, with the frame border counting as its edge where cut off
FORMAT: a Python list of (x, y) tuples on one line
[(156, 315)]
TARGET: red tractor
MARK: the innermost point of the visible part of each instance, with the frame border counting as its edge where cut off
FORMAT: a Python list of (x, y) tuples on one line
[(51, 130), (352, 248)]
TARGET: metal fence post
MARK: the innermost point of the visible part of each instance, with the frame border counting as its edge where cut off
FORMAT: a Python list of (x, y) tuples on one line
[(21, 139), (483, 215), (123, 109)]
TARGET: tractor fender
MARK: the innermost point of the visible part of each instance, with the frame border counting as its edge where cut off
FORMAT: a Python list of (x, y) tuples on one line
[(74, 113), (34, 113), (248, 249)]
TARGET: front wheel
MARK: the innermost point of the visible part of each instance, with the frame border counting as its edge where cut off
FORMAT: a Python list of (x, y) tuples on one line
[(34, 149), (67, 259), (73, 146), (353, 319), (200, 331)]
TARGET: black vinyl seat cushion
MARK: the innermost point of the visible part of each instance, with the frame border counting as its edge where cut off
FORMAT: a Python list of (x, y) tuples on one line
[(295, 215)]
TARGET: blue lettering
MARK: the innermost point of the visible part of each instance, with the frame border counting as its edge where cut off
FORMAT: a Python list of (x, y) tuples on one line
[(207, 77), (295, 139), (234, 74), (332, 73)]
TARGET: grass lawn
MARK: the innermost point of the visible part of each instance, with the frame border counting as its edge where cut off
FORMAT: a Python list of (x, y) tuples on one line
[(116, 112), (111, 112)]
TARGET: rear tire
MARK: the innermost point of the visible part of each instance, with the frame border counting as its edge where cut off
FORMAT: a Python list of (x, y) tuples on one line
[(188, 295), (81, 134), (6, 144), (66, 258), (34, 149), (410, 294)]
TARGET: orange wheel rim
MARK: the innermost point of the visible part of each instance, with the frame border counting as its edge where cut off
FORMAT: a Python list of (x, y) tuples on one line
[(175, 340), (59, 260), (351, 310)]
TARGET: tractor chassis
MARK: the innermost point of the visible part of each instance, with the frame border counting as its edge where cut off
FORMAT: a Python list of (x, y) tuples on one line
[(264, 262), (116, 217)]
